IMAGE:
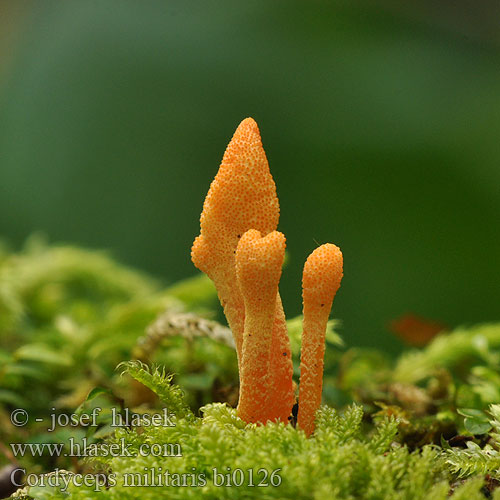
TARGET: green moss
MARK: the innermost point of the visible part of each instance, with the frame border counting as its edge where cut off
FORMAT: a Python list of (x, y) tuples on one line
[(423, 426)]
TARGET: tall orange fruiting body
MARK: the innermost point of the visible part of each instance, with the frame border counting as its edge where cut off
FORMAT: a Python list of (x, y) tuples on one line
[(258, 270), (321, 280), (242, 197)]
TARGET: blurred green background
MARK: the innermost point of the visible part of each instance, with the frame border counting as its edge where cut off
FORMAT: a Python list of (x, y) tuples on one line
[(381, 124)]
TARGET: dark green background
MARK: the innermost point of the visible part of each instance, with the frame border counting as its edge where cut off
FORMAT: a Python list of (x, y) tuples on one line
[(381, 128)]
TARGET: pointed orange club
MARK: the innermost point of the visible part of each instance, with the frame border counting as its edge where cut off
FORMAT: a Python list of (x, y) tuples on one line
[(242, 197), (320, 282)]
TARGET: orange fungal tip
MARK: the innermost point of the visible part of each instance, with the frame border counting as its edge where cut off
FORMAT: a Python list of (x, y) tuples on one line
[(322, 275), (258, 263)]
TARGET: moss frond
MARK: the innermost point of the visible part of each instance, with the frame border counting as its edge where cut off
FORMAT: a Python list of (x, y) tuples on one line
[(156, 379)]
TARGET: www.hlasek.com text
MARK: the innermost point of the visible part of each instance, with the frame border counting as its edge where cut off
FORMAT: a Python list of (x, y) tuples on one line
[(83, 448)]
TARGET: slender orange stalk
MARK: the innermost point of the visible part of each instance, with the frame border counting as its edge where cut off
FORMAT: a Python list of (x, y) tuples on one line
[(281, 387), (258, 269), (320, 282)]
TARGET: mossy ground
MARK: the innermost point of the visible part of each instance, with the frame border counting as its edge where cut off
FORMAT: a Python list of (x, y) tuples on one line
[(422, 426)]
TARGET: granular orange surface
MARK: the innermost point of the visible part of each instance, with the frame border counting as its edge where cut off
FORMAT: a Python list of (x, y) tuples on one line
[(320, 282), (258, 269)]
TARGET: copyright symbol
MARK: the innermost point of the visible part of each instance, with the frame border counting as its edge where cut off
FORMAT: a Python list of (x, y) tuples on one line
[(19, 417)]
